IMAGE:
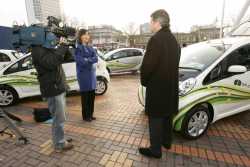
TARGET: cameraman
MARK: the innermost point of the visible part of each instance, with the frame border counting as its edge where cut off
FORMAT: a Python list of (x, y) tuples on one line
[(48, 62)]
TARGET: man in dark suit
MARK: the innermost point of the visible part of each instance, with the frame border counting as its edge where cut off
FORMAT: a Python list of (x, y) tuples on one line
[(159, 74)]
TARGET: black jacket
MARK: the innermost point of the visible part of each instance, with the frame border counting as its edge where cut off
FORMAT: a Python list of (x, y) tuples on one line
[(159, 74), (48, 63)]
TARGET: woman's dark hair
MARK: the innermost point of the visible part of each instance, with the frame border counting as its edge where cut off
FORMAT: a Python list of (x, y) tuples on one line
[(80, 33)]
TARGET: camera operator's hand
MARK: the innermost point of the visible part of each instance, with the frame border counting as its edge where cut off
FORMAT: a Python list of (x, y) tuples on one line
[(63, 41)]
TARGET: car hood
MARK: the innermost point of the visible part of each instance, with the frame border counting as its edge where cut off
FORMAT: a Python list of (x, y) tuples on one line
[(185, 74)]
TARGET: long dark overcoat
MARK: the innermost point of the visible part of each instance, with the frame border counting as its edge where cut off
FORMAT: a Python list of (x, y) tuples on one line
[(159, 74)]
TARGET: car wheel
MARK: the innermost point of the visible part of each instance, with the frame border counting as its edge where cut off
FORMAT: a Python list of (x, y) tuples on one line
[(101, 86), (196, 122), (8, 96)]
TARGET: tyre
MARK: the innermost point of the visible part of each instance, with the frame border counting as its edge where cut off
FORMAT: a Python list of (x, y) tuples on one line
[(196, 122), (101, 86), (8, 96)]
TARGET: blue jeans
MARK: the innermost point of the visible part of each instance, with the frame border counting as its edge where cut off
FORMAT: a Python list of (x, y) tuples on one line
[(57, 107)]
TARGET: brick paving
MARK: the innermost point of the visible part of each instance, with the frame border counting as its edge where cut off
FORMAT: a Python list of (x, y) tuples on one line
[(121, 127)]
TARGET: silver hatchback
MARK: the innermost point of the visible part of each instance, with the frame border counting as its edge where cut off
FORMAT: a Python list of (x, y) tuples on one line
[(124, 60)]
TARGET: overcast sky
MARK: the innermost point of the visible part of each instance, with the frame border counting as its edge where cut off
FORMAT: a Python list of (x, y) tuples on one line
[(183, 13)]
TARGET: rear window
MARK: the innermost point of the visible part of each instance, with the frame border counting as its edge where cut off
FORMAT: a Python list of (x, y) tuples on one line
[(4, 58)]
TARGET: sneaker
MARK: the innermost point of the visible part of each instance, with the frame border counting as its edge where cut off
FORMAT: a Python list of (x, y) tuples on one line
[(66, 146)]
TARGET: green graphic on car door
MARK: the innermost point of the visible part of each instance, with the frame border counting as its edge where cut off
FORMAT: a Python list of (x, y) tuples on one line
[(214, 95)]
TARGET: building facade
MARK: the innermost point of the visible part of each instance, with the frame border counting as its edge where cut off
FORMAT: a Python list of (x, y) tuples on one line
[(185, 38), (145, 29), (106, 36), (39, 10), (204, 33)]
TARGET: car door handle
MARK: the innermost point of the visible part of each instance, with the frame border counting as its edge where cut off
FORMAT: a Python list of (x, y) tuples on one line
[(33, 73)]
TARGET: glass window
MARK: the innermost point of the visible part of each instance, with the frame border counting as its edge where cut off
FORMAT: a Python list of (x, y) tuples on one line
[(4, 58), (22, 65), (133, 53), (240, 56), (12, 69), (200, 56), (119, 55)]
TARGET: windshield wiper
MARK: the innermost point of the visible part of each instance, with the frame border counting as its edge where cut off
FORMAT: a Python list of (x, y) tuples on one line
[(191, 68)]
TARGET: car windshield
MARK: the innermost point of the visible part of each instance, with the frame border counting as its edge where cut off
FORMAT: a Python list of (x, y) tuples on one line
[(200, 56)]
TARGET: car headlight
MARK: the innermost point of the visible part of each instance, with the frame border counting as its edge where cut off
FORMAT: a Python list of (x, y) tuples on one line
[(186, 86)]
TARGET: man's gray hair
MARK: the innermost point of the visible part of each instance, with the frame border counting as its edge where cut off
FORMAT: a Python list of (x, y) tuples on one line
[(162, 16)]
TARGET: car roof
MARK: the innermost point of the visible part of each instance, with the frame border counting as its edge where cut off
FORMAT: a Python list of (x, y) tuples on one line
[(7, 51), (230, 40)]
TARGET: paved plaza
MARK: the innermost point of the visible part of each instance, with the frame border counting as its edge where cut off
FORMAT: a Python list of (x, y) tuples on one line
[(113, 139)]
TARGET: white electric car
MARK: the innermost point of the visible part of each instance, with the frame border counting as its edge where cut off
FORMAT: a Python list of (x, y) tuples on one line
[(124, 60), (19, 79), (214, 83)]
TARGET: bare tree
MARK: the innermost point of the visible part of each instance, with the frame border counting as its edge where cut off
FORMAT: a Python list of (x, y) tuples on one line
[(130, 31)]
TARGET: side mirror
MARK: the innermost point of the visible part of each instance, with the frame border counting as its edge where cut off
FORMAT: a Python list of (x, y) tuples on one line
[(237, 69), (25, 65)]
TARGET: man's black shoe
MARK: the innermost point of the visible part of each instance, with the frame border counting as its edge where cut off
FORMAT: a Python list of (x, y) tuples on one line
[(69, 140), (93, 118), (167, 146), (87, 119), (148, 153)]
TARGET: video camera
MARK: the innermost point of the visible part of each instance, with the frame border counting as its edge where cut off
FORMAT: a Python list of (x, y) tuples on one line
[(39, 35)]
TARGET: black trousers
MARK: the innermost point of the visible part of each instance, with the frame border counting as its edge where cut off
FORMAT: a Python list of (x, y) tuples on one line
[(160, 131), (88, 103)]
